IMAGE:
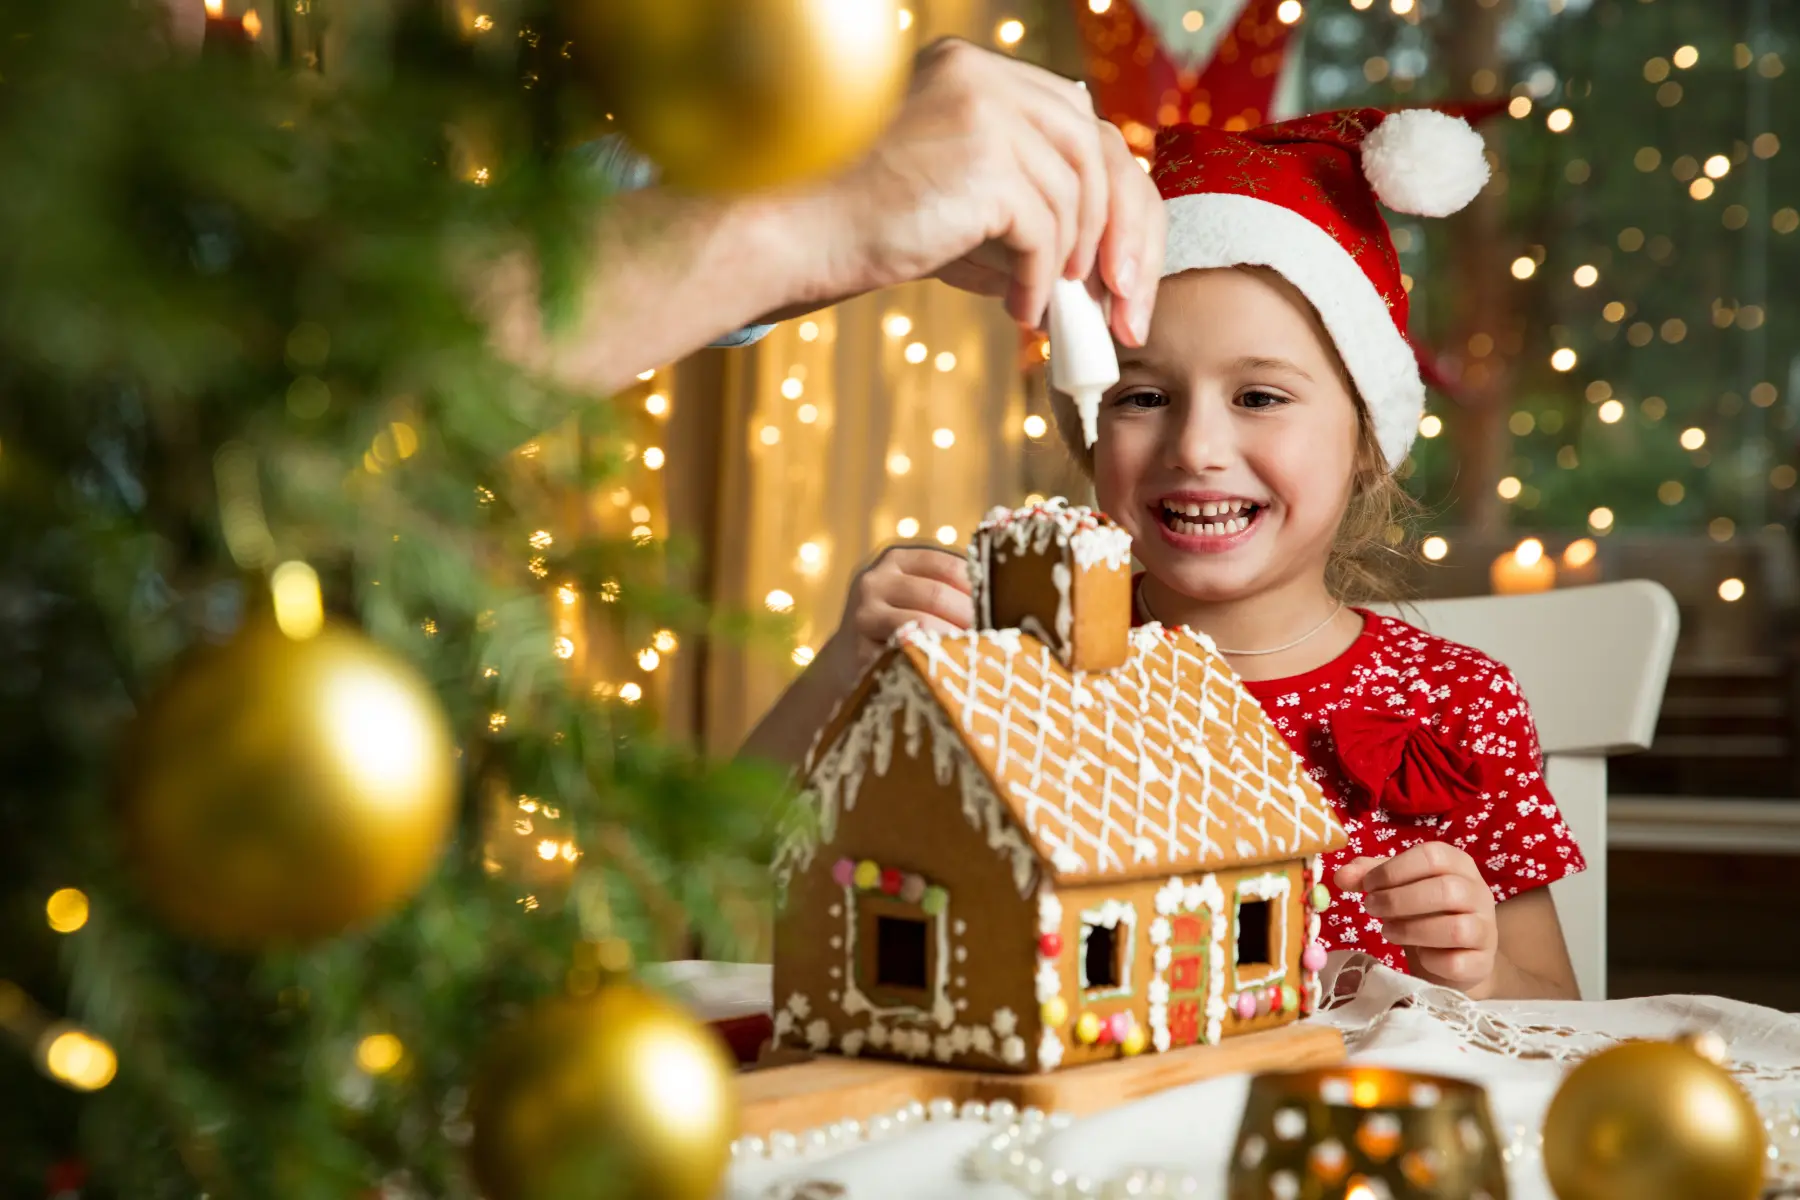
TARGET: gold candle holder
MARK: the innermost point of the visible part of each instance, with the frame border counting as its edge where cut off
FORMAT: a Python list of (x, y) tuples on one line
[(1366, 1133)]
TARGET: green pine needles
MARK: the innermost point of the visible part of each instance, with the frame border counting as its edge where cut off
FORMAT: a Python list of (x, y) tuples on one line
[(240, 252)]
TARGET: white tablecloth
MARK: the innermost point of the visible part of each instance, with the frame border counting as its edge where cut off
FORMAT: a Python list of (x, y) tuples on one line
[(1517, 1050)]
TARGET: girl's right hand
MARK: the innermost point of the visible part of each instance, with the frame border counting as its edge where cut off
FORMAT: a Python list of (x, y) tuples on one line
[(905, 584)]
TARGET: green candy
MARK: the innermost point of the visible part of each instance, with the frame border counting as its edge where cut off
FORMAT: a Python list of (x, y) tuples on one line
[(1290, 997), (1321, 897), (935, 900)]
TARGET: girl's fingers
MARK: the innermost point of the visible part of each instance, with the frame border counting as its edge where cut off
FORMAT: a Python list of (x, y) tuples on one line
[(1350, 876), (915, 595), (1423, 897), (1420, 862), (1443, 931), (929, 563)]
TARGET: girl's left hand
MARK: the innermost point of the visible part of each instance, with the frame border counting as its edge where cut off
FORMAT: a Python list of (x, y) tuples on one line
[(1432, 901)]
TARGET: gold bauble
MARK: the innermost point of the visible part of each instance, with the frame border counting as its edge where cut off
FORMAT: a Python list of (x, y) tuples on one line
[(279, 790), (620, 1087), (731, 95), (1652, 1121)]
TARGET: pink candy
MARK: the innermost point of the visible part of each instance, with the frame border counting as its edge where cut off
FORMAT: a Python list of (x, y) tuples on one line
[(1246, 1005), (843, 871), (1313, 957), (1119, 1026)]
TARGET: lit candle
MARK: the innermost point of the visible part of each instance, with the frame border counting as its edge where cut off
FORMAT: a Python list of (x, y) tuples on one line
[(1526, 568)]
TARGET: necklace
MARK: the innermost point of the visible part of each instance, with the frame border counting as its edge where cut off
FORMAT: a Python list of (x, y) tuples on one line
[(1144, 600)]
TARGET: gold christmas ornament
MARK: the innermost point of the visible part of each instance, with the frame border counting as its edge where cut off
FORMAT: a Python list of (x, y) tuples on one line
[(728, 96), (1652, 1121), (281, 789), (620, 1088)]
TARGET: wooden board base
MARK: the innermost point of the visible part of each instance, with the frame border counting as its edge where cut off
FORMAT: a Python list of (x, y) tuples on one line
[(804, 1095)]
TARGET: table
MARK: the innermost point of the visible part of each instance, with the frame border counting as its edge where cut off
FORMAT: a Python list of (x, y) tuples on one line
[(1517, 1049)]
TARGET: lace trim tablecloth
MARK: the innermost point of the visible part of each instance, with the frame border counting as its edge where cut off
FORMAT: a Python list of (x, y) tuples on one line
[(1518, 1050)]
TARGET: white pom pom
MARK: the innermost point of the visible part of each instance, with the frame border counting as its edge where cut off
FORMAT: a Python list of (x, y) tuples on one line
[(1425, 163)]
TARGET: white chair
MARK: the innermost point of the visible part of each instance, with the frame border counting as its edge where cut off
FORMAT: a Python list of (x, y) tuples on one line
[(1593, 662)]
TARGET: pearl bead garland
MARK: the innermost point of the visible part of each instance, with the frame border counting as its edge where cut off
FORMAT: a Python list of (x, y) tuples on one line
[(782, 1145)]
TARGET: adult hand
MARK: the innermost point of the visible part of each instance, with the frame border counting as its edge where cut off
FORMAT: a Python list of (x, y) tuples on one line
[(1432, 901), (997, 178), (905, 584)]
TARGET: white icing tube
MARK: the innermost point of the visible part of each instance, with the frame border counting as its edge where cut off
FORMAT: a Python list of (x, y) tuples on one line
[(1083, 363)]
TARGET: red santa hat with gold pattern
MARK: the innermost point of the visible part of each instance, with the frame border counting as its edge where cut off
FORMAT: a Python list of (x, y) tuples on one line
[(1301, 198)]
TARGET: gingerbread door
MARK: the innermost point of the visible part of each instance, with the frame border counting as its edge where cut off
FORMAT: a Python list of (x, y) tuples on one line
[(1188, 946), (1187, 988)]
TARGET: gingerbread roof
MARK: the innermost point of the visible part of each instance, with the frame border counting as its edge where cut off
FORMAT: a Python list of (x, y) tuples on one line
[(1166, 764)]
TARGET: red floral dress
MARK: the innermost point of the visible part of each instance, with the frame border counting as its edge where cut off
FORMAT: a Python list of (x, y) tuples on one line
[(1414, 738)]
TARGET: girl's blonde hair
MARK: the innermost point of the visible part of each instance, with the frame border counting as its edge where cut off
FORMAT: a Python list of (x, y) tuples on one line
[(1369, 556)]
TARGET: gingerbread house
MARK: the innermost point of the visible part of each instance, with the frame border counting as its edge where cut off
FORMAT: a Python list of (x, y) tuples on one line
[(1051, 841)]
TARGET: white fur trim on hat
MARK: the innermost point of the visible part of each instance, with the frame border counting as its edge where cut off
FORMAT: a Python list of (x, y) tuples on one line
[(1219, 230), (1425, 163)]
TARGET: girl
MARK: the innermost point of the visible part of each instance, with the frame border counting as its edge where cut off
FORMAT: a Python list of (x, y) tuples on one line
[(1248, 448)]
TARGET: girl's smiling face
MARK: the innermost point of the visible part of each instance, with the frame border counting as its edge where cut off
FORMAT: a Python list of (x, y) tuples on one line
[(1229, 447)]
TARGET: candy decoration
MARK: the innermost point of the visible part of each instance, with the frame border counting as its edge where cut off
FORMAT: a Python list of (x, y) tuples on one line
[(1246, 1005), (935, 900), (1321, 897), (1265, 1000), (1313, 957), (1135, 1041), (1050, 944), (1290, 998), (891, 880), (843, 872), (1118, 1027), (867, 874), (1055, 1011), (912, 889), (1087, 1029)]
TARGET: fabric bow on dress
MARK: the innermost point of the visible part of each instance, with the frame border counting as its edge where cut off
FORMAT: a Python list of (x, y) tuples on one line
[(1400, 766)]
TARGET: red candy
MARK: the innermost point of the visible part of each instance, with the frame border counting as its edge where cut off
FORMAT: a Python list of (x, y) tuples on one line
[(1049, 944), (891, 879)]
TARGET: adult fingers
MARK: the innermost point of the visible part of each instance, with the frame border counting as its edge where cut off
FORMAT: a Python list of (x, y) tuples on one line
[(1065, 116), (970, 275), (1424, 897), (1031, 234), (1131, 252), (1060, 185)]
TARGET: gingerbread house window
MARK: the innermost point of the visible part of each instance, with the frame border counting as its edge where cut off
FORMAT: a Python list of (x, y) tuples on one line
[(896, 961), (1108, 937), (1260, 930), (1253, 941), (901, 953)]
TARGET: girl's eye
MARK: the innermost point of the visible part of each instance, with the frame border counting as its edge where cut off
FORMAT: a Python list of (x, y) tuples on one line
[(1261, 400), (1133, 400)]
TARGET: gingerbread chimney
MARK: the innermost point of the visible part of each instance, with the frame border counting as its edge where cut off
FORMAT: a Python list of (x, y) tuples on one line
[(1060, 573)]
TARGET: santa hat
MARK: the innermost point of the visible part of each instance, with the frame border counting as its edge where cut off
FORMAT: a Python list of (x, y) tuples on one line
[(1301, 198)]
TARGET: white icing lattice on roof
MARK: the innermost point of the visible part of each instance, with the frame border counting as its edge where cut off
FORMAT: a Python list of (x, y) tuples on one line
[(1164, 764)]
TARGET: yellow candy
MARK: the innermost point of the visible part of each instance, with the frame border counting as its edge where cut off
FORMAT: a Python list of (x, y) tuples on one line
[(1087, 1029), (1135, 1041), (868, 874), (1055, 1011)]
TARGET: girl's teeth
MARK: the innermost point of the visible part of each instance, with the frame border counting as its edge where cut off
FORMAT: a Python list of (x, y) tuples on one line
[(1216, 528)]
